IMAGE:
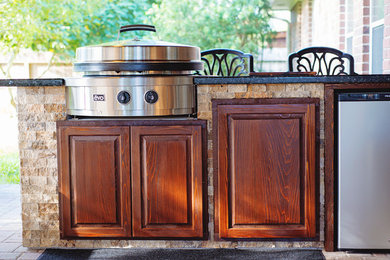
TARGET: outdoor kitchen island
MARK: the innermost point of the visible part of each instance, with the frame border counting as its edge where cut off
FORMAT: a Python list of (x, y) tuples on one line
[(286, 114)]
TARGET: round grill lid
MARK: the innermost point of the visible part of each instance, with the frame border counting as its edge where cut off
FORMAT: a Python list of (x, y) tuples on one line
[(137, 55)]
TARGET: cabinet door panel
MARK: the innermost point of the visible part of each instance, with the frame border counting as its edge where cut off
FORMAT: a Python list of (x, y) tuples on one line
[(268, 175), (167, 181), (265, 170), (94, 181)]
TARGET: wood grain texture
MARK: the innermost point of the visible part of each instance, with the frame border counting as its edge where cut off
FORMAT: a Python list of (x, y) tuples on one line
[(330, 128), (329, 169), (94, 178), (269, 172), (266, 169), (167, 181)]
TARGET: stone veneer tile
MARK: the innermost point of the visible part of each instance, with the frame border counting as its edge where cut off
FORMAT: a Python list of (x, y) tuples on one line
[(295, 87), (257, 88), (38, 180), (218, 88), (276, 87), (202, 89), (30, 198), (59, 91), (237, 88), (38, 110)]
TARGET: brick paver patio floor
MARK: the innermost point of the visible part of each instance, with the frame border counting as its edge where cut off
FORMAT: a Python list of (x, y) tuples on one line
[(11, 225)]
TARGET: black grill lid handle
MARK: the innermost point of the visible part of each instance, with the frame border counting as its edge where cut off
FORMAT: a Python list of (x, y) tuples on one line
[(137, 27)]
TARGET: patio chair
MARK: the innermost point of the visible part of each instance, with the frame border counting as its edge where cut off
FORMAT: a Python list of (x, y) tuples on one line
[(323, 60), (226, 62)]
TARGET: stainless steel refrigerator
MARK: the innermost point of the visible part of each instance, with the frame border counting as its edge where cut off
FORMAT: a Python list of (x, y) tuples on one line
[(363, 171)]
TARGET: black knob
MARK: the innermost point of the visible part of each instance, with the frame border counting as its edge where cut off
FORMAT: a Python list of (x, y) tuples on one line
[(151, 97), (123, 97)]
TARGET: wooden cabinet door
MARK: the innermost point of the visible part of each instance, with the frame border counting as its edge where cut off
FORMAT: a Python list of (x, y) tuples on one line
[(94, 181), (266, 169), (167, 181)]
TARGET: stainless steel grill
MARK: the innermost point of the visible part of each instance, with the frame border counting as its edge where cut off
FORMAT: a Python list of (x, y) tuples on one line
[(134, 78)]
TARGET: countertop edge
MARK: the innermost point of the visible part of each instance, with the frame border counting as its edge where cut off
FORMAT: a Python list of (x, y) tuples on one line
[(55, 82), (212, 80)]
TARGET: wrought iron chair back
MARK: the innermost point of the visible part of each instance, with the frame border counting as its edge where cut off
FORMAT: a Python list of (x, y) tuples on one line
[(323, 60), (226, 62)]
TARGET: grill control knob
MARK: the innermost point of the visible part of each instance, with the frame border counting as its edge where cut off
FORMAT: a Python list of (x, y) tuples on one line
[(151, 97), (123, 97)]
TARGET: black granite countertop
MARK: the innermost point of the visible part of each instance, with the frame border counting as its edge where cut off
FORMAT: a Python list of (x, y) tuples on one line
[(31, 82), (213, 80)]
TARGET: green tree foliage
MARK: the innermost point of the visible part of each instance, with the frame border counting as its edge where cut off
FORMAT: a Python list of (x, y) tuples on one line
[(236, 24), (9, 168), (60, 26)]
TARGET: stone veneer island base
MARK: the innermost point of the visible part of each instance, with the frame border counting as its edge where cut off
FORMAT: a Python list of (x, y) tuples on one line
[(38, 110), (39, 107)]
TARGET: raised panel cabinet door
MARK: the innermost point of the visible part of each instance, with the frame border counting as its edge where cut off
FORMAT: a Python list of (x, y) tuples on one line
[(167, 181), (94, 182), (266, 170)]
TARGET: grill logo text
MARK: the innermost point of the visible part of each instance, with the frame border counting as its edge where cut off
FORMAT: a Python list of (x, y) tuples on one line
[(99, 97)]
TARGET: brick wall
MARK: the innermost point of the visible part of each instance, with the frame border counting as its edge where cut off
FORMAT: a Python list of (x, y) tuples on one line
[(342, 24), (311, 24), (328, 28), (295, 27), (306, 25), (386, 39), (38, 110), (301, 25), (361, 36)]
